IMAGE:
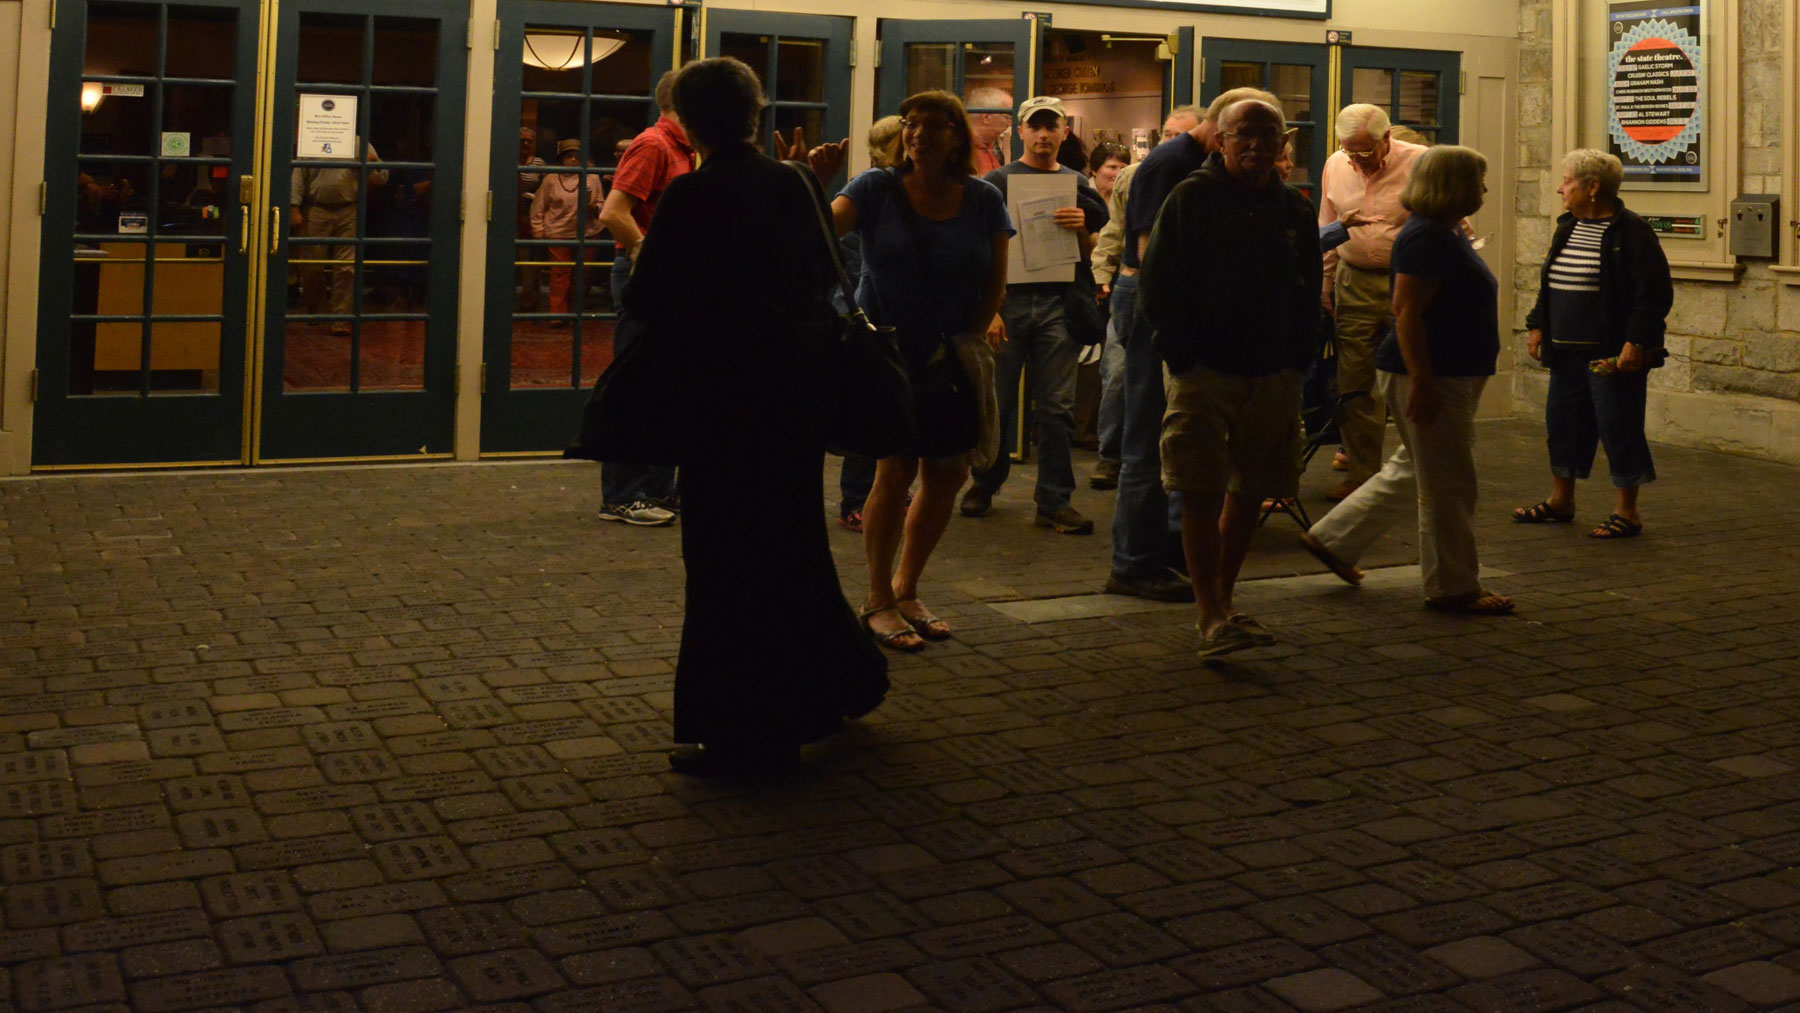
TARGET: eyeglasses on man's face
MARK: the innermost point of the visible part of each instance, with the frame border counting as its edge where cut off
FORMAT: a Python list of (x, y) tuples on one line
[(1256, 135)]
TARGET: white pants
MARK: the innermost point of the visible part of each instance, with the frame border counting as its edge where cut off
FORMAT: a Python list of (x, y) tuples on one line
[(1432, 473)]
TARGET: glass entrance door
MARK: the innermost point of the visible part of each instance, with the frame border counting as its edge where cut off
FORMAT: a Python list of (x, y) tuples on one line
[(146, 234), (803, 61), (243, 268), (358, 357), (573, 83), (1298, 75), (988, 64)]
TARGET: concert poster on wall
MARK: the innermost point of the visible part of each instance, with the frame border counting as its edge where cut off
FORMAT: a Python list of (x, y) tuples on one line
[(1656, 104)]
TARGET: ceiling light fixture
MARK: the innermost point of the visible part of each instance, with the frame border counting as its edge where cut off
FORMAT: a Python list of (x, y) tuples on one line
[(562, 50)]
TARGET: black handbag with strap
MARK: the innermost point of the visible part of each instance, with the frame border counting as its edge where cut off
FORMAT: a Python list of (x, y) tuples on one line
[(639, 411), (864, 392)]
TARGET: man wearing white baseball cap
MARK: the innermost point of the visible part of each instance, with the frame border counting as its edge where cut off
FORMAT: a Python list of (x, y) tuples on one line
[(1038, 340)]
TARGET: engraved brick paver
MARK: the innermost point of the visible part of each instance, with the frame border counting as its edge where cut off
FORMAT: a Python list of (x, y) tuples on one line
[(392, 739)]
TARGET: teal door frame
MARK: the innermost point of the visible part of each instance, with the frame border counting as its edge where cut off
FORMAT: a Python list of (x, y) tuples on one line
[(538, 419), (1320, 117), (370, 424), (141, 427), (1447, 65), (835, 34), (1180, 89), (896, 34)]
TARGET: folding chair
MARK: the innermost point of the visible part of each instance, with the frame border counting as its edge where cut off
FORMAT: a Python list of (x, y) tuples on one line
[(1333, 413)]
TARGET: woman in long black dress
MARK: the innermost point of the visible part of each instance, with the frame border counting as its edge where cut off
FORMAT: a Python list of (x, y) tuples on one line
[(736, 272)]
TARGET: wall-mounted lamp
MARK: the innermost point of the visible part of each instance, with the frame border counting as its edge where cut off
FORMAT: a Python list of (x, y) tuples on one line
[(562, 50), (91, 94)]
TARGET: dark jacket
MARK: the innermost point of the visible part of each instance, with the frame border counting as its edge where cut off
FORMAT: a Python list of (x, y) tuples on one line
[(738, 273), (1231, 276), (1635, 290)]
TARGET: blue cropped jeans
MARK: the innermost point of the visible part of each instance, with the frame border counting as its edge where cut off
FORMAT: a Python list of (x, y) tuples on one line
[(1583, 410)]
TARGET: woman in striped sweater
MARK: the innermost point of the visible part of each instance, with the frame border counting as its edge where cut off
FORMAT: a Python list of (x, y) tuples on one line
[(1598, 325)]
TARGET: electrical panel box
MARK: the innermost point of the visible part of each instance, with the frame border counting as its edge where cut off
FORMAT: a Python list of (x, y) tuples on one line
[(1753, 217)]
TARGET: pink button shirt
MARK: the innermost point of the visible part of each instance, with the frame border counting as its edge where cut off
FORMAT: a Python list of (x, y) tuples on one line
[(1342, 188)]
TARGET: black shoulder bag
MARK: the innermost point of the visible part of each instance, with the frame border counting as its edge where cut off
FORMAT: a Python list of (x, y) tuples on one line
[(863, 389), (639, 411)]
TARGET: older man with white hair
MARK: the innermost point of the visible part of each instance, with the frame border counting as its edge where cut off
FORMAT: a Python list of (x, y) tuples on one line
[(1366, 174), (1227, 282)]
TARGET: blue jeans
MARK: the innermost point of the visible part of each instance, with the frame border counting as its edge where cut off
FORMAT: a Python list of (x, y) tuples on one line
[(1038, 346), (1144, 516), (1112, 392), (623, 484), (1583, 410)]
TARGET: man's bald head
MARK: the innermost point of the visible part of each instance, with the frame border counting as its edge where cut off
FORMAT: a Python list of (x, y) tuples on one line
[(1250, 110), (1207, 132), (1250, 136), (1232, 97)]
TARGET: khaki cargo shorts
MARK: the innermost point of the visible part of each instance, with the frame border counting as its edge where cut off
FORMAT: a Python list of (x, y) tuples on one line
[(1232, 434)]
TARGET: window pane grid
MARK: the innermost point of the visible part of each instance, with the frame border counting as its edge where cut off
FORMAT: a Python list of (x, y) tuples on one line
[(368, 279), (564, 345)]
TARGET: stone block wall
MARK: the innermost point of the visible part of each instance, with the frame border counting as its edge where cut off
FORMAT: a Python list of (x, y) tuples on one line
[(1733, 378)]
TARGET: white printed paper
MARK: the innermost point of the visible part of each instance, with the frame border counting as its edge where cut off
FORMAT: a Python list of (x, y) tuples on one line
[(1042, 250), (325, 127)]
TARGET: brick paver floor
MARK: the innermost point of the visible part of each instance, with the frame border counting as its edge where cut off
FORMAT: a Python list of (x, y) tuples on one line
[(392, 739)]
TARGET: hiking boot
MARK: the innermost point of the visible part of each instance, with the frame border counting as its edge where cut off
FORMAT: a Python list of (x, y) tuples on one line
[(1162, 587), (977, 502), (1105, 476), (1067, 521), (641, 513)]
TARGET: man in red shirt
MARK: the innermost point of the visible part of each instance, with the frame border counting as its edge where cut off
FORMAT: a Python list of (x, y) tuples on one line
[(633, 493)]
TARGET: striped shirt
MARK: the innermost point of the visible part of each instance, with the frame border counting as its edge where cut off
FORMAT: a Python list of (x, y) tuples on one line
[(1575, 285)]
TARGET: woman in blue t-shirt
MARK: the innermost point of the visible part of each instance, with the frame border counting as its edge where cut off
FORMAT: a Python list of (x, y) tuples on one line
[(934, 241), (1430, 371)]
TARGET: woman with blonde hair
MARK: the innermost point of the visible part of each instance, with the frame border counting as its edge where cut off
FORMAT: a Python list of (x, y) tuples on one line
[(934, 237), (1430, 369)]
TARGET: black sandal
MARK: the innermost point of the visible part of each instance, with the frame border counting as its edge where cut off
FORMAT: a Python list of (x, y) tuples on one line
[(1541, 513), (1616, 527)]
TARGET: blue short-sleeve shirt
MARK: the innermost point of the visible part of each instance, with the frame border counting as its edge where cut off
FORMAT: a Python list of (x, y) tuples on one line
[(926, 287), (1462, 323)]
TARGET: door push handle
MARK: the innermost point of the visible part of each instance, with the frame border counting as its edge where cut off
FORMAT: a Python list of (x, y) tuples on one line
[(274, 230), (244, 231)]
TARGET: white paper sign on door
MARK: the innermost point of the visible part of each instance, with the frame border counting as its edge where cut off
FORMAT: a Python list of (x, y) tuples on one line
[(325, 127)]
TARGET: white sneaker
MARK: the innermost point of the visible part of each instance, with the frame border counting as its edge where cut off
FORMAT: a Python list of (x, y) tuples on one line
[(642, 513)]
